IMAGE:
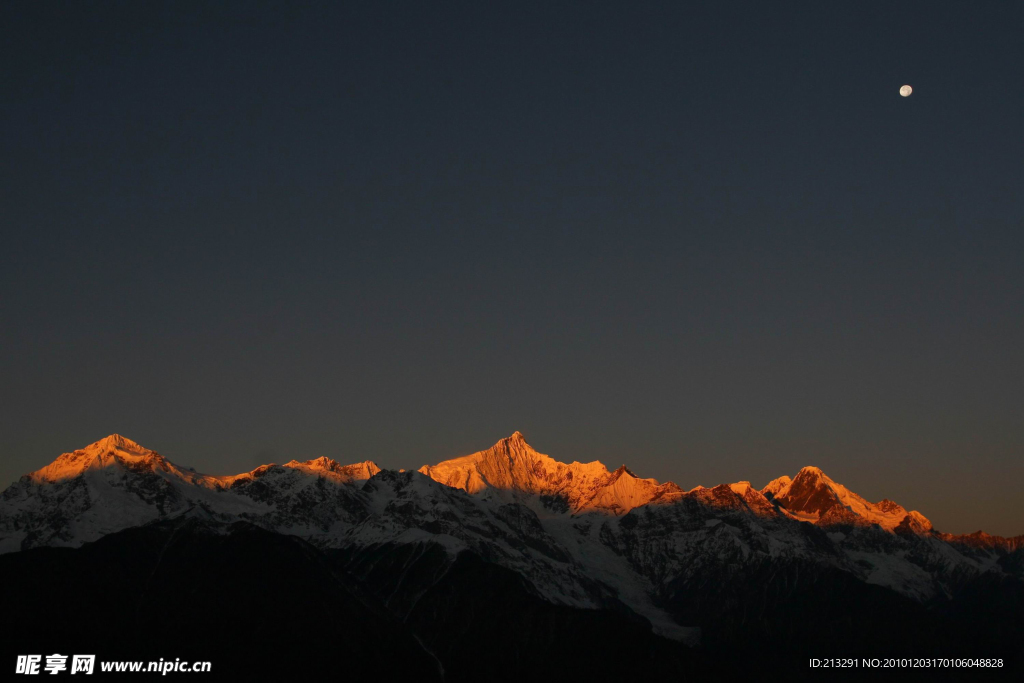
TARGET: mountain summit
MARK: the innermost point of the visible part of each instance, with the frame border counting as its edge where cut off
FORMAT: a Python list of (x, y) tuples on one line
[(111, 451), (512, 465), (813, 496)]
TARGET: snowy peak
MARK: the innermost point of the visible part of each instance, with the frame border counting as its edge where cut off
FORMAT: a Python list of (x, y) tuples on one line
[(360, 471), (117, 442), (623, 470), (740, 487), (812, 474), (811, 491), (114, 451), (776, 485), (813, 496), (622, 491), (914, 522), (322, 463), (740, 496), (117, 454), (332, 469), (513, 466)]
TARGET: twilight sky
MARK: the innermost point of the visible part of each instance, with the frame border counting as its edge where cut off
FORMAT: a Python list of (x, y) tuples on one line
[(708, 241)]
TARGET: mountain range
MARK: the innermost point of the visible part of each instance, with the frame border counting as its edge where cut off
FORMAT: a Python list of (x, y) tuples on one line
[(801, 562)]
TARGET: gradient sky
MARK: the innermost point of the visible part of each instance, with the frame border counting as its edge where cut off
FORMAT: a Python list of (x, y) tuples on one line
[(711, 242)]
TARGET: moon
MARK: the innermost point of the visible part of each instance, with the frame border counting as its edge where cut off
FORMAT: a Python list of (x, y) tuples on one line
[(905, 91)]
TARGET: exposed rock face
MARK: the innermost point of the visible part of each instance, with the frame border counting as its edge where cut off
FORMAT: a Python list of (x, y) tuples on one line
[(979, 540), (813, 496)]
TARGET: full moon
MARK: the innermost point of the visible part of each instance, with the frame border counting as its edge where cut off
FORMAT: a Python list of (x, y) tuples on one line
[(906, 90)]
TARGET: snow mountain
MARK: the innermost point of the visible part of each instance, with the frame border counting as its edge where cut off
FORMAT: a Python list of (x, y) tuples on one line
[(512, 466), (577, 534)]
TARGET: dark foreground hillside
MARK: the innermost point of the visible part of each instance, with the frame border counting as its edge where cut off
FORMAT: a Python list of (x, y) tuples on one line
[(265, 606)]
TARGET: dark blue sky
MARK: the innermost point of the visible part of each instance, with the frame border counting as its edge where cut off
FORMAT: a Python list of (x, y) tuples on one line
[(711, 242)]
